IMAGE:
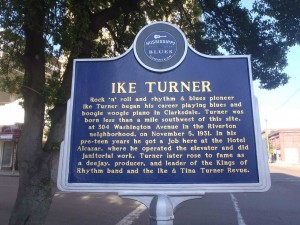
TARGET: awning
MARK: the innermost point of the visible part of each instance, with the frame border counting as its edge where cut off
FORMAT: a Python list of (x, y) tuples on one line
[(10, 132)]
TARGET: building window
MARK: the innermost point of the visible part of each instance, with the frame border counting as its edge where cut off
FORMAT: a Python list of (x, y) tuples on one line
[(7, 154)]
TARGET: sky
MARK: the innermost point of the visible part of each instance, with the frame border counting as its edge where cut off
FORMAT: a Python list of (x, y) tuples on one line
[(280, 107)]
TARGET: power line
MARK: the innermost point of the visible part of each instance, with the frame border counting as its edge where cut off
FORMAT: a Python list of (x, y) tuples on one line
[(286, 101)]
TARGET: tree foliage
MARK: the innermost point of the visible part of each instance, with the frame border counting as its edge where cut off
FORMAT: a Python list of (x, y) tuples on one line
[(285, 16), (36, 34), (212, 27)]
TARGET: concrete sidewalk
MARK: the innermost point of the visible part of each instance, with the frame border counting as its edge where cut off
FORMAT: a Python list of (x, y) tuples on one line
[(285, 165), (9, 173)]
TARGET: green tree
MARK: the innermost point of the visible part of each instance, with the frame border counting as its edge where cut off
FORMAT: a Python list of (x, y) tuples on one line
[(35, 33)]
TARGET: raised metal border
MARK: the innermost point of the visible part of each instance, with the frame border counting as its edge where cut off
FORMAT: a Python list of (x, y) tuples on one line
[(170, 189)]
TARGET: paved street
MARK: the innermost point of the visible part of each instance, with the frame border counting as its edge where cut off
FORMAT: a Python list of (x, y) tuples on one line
[(279, 206)]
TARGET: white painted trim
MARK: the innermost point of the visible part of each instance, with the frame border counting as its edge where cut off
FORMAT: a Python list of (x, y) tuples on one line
[(131, 217), (239, 216)]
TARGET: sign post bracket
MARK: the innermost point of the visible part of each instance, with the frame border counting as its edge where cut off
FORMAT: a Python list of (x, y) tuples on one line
[(161, 206)]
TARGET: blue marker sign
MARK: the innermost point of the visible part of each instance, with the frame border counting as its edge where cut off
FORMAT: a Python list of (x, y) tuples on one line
[(163, 117)]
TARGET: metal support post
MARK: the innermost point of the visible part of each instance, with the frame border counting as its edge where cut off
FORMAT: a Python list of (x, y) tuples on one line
[(161, 211), (161, 206)]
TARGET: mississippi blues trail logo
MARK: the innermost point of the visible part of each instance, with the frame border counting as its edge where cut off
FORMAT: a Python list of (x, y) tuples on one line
[(160, 47)]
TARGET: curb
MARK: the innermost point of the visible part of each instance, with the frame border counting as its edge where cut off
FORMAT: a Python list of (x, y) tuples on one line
[(9, 173)]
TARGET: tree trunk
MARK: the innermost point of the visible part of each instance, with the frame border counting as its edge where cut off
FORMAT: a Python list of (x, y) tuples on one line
[(35, 194), (36, 186), (35, 190)]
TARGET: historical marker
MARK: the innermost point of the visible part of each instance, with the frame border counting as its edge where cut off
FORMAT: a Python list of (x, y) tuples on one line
[(163, 118)]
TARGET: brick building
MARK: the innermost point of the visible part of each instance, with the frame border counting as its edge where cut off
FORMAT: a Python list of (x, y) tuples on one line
[(286, 145)]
